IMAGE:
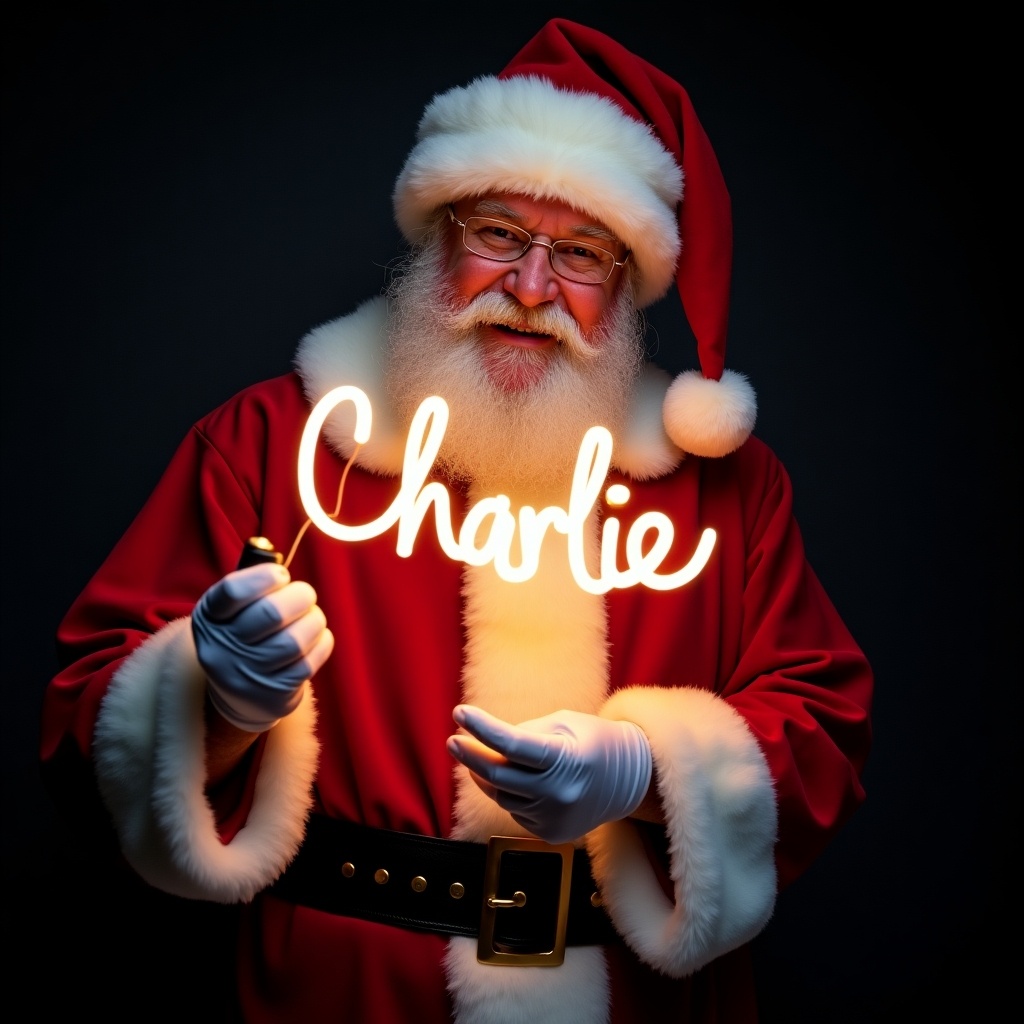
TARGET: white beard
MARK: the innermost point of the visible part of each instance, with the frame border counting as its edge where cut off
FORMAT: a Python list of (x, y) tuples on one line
[(498, 437)]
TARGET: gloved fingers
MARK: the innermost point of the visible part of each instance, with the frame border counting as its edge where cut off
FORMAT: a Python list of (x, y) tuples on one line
[(527, 748), (290, 645), (525, 811), (277, 610), (521, 808), (522, 811), (259, 636), (320, 651), (299, 634), (222, 653), (253, 697), (475, 755), (494, 772), (277, 665), (238, 589)]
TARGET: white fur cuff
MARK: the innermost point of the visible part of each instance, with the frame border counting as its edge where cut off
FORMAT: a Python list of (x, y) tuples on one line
[(150, 764), (721, 821)]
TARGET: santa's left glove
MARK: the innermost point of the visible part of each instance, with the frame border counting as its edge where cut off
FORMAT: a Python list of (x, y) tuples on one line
[(259, 636), (559, 776)]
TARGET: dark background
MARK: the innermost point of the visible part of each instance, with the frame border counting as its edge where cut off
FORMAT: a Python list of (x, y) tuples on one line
[(188, 188)]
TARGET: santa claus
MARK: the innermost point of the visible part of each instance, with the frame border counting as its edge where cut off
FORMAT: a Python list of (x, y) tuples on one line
[(439, 791)]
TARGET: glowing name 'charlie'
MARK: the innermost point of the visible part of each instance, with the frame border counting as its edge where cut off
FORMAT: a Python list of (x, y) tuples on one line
[(477, 544)]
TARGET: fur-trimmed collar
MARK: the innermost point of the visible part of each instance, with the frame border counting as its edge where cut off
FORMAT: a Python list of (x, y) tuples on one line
[(349, 350)]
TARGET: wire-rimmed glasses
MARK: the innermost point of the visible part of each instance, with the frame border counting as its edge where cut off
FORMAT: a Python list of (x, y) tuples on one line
[(573, 259)]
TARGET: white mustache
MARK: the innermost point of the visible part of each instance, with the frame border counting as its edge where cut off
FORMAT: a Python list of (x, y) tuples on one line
[(504, 311)]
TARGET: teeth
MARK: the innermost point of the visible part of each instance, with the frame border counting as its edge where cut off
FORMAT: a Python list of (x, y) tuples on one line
[(516, 330), (506, 327)]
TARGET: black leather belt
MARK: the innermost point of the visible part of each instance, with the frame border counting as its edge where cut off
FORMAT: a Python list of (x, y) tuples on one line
[(524, 900)]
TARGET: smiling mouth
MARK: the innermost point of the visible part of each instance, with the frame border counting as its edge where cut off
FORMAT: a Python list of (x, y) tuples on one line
[(518, 332)]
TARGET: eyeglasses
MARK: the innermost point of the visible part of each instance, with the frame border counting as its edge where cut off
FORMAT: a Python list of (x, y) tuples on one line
[(572, 259)]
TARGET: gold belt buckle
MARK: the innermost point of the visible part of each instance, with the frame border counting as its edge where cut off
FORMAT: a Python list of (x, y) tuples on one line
[(492, 904)]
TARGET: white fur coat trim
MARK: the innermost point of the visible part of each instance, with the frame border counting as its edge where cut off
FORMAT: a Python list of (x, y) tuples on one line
[(721, 819), (577, 992), (150, 762), (531, 649)]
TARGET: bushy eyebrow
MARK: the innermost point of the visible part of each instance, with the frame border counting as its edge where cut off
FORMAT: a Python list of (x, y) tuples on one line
[(496, 208)]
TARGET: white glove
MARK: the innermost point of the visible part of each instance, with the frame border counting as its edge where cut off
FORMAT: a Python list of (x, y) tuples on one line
[(559, 776), (259, 637)]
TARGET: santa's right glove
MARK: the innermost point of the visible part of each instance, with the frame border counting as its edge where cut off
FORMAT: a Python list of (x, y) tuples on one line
[(259, 636), (558, 776)]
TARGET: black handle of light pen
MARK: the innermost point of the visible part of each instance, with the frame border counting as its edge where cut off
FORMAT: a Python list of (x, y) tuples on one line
[(258, 550)]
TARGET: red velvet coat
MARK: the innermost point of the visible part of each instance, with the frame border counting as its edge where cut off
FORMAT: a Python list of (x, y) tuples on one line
[(754, 695)]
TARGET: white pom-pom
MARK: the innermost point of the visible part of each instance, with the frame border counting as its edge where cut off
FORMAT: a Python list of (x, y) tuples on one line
[(709, 417)]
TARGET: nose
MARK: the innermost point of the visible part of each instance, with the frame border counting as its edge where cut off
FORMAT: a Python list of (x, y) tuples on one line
[(531, 278)]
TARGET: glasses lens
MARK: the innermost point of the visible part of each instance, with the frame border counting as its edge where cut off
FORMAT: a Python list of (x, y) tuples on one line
[(584, 263), (495, 239)]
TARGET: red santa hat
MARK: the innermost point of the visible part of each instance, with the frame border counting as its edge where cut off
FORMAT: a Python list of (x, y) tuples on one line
[(577, 118)]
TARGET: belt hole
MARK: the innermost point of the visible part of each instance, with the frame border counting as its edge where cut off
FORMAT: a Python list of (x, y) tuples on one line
[(419, 883), (348, 869), (380, 876), (457, 890)]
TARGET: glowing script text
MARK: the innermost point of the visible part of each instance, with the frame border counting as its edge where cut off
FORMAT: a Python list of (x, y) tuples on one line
[(488, 532)]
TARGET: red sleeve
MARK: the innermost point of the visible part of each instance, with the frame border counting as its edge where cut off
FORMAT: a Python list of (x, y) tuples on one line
[(801, 682), (188, 534)]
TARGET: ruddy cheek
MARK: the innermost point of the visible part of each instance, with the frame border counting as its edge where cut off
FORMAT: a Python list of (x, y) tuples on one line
[(471, 275)]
